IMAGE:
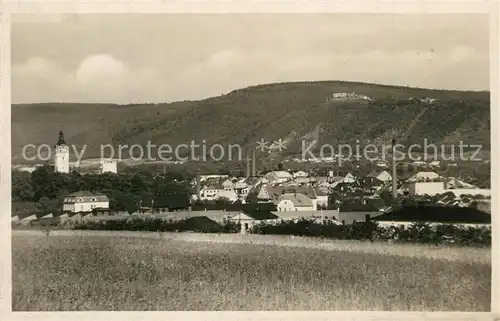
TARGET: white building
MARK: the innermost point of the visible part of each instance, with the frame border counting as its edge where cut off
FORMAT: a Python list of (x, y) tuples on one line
[(85, 202), (278, 176), (300, 174), (455, 183), (109, 166), (292, 202), (424, 176), (214, 192), (214, 176), (425, 188), (251, 218), (353, 96), (383, 176), (61, 155)]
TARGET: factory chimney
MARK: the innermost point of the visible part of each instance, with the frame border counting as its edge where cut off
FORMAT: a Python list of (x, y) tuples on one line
[(198, 187), (248, 163), (394, 175), (253, 164)]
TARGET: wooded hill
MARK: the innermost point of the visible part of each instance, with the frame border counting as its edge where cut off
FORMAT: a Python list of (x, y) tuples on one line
[(283, 110)]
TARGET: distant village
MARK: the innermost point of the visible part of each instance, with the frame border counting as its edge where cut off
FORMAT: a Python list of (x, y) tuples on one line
[(282, 194)]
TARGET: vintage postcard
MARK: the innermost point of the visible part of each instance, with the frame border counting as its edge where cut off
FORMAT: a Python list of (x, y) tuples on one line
[(249, 161)]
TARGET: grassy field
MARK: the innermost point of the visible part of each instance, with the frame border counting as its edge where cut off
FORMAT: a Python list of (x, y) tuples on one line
[(94, 270)]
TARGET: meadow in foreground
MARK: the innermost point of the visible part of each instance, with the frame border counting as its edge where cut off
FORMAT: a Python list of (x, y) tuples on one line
[(107, 271)]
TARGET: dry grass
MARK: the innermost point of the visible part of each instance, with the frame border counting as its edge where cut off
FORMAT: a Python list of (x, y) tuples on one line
[(143, 271)]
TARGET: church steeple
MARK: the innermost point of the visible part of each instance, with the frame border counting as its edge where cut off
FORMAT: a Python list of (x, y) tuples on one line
[(61, 140)]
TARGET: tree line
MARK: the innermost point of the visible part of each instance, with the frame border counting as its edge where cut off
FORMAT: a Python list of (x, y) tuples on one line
[(125, 191)]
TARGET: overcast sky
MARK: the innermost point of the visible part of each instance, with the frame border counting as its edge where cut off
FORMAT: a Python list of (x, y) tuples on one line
[(163, 58)]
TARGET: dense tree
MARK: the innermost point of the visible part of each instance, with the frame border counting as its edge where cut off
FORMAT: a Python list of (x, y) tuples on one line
[(47, 188)]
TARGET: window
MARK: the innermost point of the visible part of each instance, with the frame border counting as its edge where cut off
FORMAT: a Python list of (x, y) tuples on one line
[(93, 199), (367, 217)]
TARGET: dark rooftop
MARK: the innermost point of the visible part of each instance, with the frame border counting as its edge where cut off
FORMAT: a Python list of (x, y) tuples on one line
[(438, 215)]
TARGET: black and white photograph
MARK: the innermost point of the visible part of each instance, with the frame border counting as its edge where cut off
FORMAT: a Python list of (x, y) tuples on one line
[(251, 162)]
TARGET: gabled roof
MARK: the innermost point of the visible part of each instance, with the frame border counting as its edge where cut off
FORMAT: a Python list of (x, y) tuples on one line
[(83, 194), (276, 191), (172, 201), (438, 215), (261, 215), (213, 186), (374, 174), (298, 199)]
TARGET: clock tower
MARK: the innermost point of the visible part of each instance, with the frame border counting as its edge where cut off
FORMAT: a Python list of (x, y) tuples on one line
[(61, 159)]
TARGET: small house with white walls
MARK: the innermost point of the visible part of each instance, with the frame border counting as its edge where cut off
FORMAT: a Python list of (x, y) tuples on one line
[(109, 166), (292, 202), (248, 219), (383, 176), (278, 176), (84, 201)]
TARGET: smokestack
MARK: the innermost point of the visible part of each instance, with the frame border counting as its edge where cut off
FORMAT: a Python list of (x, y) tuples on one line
[(198, 187), (248, 163), (394, 175), (253, 164)]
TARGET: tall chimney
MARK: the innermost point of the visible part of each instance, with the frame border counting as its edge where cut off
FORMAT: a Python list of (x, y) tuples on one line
[(248, 163), (253, 164), (198, 187), (394, 175)]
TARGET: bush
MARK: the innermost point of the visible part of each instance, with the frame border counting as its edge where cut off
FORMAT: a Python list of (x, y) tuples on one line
[(418, 232)]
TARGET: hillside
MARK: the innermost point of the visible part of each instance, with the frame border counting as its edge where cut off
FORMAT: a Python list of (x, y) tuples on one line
[(285, 110)]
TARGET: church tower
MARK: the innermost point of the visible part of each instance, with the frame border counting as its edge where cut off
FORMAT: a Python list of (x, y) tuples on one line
[(61, 161)]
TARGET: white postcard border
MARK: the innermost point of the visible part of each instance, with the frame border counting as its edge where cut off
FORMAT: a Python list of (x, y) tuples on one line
[(138, 7)]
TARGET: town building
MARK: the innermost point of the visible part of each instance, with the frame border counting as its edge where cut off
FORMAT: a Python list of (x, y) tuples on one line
[(383, 176), (319, 216), (248, 219), (360, 210), (464, 216), (425, 188), (276, 177), (109, 166), (84, 201), (292, 202)]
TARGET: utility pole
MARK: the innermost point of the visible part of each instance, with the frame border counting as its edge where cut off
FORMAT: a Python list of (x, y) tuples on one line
[(394, 174), (248, 162), (253, 164)]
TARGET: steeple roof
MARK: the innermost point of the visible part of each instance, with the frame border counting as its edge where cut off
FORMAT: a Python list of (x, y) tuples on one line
[(61, 140)]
